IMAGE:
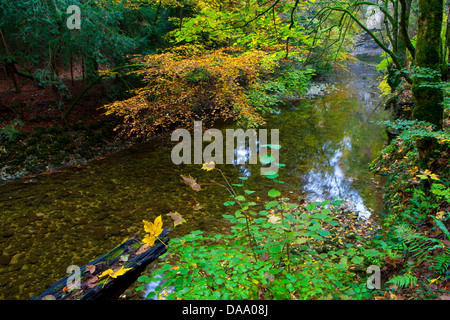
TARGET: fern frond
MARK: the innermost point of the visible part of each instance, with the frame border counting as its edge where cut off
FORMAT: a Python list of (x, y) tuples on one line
[(404, 280), (441, 263), (406, 232), (415, 243)]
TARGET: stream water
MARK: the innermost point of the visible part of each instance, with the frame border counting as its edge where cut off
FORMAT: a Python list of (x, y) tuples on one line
[(69, 218)]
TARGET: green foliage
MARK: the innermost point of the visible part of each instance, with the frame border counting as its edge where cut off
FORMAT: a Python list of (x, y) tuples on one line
[(10, 131), (415, 196), (413, 129), (407, 194), (441, 264), (279, 251), (110, 32)]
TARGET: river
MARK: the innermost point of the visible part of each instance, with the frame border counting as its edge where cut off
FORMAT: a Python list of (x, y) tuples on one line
[(71, 217)]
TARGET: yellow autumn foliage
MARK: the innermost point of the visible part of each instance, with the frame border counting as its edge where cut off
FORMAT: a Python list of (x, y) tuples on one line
[(114, 274), (188, 84)]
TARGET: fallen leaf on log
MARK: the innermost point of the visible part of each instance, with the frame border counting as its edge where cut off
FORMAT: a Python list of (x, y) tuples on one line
[(142, 249), (91, 281)]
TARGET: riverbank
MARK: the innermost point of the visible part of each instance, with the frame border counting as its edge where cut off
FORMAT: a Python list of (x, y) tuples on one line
[(34, 139)]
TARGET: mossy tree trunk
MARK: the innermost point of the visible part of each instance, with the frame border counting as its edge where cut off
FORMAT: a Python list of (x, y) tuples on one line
[(446, 57), (427, 90)]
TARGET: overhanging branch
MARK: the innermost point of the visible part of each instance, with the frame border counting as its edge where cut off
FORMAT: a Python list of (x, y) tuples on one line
[(391, 54)]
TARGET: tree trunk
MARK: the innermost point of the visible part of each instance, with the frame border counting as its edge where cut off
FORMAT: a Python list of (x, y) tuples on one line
[(9, 65), (446, 57), (404, 39), (427, 92), (395, 25)]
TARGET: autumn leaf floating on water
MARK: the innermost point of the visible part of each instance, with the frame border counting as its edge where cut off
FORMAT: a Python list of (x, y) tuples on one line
[(195, 205), (177, 218), (208, 166), (191, 182)]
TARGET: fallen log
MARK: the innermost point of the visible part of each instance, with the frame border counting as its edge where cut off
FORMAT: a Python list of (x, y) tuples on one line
[(131, 254)]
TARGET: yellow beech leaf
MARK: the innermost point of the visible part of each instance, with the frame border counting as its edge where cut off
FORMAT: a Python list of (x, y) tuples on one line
[(434, 176), (434, 280)]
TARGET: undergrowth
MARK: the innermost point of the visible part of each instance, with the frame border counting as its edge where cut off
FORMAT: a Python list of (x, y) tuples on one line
[(273, 250), (417, 206)]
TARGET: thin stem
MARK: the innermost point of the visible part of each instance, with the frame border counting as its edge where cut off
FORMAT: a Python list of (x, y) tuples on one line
[(251, 238)]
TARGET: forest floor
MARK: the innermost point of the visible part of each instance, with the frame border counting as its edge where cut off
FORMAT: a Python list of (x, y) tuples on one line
[(34, 139)]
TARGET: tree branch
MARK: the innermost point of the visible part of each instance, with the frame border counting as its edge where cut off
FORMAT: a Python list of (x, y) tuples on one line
[(377, 41), (404, 20), (74, 102), (382, 9)]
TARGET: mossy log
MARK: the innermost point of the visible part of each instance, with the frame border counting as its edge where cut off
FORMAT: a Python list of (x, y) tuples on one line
[(108, 288)]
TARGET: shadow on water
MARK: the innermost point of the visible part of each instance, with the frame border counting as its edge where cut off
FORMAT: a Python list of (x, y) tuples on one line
[(71, 217)]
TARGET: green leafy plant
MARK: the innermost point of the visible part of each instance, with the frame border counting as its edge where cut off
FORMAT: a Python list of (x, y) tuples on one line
[(10, 131), (273, 250)]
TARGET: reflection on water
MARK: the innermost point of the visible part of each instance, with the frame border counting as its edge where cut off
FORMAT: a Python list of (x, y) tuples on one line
[(358, 141), (242, 155), (325, 184), (77, 215)]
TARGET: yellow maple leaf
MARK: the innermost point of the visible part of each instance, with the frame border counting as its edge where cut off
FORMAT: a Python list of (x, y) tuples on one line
[(114, 274), (154, 228), (149, 239)]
